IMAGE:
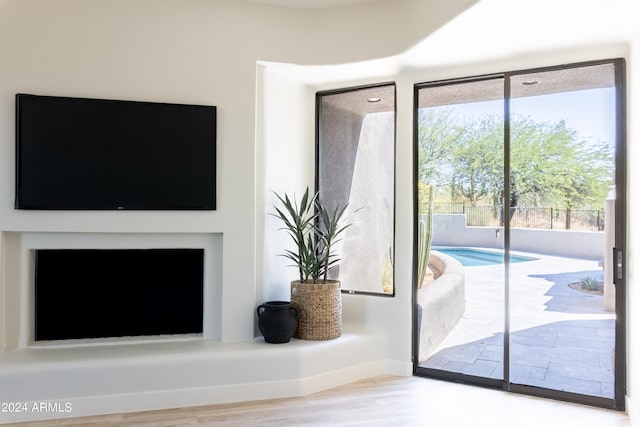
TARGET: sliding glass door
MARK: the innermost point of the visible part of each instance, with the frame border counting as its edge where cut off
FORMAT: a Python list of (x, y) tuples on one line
[(461, 288), (520, 184)]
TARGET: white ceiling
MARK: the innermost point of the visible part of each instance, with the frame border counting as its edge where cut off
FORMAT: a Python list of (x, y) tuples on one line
[(311, 3)]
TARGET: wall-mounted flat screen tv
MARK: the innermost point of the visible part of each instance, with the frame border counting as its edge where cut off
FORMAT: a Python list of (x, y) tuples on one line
[(98, 154)]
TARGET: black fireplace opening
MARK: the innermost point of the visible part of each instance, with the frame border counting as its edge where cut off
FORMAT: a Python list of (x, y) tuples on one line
[(107, 293)]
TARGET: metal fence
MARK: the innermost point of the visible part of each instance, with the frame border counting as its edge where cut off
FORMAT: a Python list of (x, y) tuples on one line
[(523, 217)]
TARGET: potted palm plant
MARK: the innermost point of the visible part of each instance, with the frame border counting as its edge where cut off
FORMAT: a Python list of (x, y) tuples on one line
[(315, 231)]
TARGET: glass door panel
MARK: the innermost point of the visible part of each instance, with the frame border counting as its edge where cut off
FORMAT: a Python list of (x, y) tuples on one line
[(561, 172), (520, 213), (461, 293)]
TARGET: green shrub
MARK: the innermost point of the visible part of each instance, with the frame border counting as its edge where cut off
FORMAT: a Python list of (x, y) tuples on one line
[(588, 283)]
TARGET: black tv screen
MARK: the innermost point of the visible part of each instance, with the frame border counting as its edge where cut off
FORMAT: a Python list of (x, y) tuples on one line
[(97, 154), (107, 293)]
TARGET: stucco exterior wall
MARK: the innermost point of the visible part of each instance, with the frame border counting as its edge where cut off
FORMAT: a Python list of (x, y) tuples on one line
[(451, 230)]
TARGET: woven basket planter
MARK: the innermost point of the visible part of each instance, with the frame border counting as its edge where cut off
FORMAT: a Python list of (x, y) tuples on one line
[(319, 308)]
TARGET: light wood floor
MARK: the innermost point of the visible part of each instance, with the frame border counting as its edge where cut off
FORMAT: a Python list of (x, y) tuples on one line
[(383, 401)]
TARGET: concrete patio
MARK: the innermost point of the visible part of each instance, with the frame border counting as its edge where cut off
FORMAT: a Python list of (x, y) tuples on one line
[(560, 338)]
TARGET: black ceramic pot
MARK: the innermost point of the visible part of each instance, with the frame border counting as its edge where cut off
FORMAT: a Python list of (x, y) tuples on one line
[(277, 320)]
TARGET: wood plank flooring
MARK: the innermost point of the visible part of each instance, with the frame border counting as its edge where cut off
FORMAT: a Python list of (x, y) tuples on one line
[(381, 401)]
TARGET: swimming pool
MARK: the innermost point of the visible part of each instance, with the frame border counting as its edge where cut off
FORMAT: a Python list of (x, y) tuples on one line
[(475, 257)]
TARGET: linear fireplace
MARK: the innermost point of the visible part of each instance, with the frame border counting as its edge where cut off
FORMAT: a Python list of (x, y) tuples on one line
[(107, 293)]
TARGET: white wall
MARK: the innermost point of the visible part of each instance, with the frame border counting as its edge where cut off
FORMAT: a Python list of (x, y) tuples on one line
[(189, 51), (192, 52), (283, 126), (196, 51), (633, 230), (203, 52)]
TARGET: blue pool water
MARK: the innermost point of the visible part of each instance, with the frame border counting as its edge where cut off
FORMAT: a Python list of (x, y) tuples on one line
[(475, 257)]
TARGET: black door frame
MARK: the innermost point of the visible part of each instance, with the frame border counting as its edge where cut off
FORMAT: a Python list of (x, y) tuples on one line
[(618, 402)]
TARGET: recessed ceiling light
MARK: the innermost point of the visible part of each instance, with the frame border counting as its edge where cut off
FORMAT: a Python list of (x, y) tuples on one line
[(529, 82), (374, 99)]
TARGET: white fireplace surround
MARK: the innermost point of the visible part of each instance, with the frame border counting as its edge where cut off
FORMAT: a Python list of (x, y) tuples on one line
[(19, 266), (92, 377)]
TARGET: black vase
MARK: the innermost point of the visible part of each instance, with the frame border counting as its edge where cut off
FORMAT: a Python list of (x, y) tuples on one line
[(277, 320)]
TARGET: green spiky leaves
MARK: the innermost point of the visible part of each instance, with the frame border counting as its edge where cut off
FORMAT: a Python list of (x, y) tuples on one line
[(315, 231)]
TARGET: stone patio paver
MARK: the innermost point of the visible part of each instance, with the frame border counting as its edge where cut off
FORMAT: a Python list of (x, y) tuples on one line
[(560, 338)]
